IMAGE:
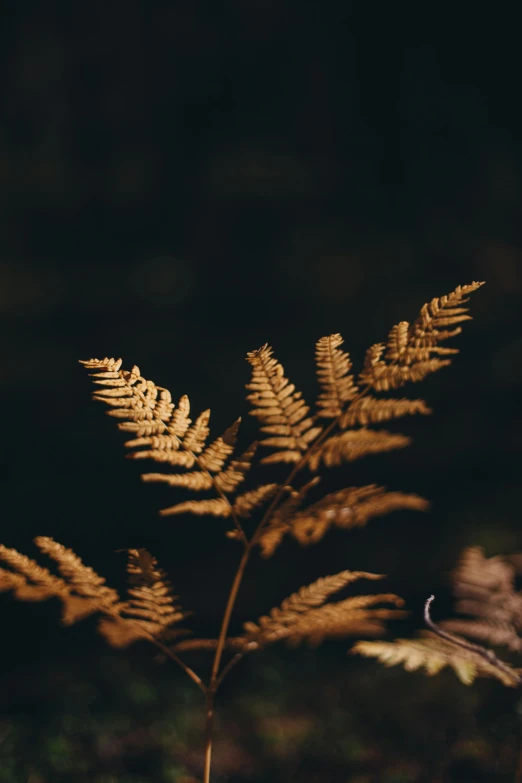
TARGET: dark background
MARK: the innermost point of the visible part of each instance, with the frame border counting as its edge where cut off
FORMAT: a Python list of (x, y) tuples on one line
[(182, 182)]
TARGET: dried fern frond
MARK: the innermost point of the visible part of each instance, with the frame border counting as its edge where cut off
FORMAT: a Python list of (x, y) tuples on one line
[(148, 412), (372, 410), (151, 609), (353, 444), (166, 435), (477, 576), (81, 578), (335, 378), (433, 654), (347, 508), (28, 580), (280, 409), (131, 396), (352, 617), (412, 351), (81, 591), (350, 507), (305, 615), (485, 588)]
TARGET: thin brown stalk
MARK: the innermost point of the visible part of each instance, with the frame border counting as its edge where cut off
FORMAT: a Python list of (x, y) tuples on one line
[(489, 655), (209, 726)]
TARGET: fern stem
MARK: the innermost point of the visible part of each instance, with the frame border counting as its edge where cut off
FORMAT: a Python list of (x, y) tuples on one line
[(228, 614), (209, 726), (215, 680)]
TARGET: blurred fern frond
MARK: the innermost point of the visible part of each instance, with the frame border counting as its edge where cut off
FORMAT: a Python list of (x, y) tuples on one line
[(148, 613), (305, 615), (432, 654), (485, 589)]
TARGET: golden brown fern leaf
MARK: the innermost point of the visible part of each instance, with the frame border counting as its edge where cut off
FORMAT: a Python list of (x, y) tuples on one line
[(354, 444), (485, 588), (412, 351), (149, 612), (347, 508), (151, 609), (305, 615), (372, 410), (147, 411), (335, 378), (351, 617), (433, 654), (167, 435), (280, 409), (350, 507), (145, 407), (81, 578), (28, 580), (81, 591)]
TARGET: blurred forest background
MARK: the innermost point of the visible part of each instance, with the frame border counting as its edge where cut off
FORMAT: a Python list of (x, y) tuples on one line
[(180, 183)]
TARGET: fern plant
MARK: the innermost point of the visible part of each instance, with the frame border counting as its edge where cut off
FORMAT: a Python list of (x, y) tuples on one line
[(258, 513)]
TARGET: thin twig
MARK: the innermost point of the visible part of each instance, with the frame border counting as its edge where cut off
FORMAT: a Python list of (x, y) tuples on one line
[(457, 641)]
